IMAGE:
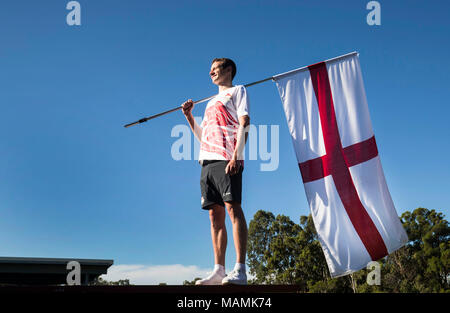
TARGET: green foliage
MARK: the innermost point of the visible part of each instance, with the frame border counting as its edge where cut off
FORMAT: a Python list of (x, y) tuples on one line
[(102, 282), (191, 283), (283, 252), (424, 264)]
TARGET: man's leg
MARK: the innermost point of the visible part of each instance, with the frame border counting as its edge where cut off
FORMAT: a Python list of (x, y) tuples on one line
[(219, 241), (218, 233), (238, 275), (239, 230)]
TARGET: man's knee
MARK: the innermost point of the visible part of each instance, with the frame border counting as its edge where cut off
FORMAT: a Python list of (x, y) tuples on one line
[(217, 216), (234, 210)]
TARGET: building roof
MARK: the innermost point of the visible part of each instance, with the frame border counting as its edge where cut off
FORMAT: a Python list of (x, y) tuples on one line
[(48, 271)]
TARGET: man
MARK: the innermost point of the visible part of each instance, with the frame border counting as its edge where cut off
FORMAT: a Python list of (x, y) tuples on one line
[(222, 135)]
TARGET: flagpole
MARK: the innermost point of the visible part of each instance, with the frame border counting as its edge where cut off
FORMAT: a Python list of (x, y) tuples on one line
[(145, 119)]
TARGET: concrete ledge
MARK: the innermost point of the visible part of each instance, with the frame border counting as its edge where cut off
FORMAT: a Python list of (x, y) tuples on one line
[(156, 289)]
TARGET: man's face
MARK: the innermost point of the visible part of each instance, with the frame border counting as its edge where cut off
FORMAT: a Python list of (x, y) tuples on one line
[(218, 74)]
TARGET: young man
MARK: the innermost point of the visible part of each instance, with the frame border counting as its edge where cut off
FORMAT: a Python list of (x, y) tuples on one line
[(222, 135)]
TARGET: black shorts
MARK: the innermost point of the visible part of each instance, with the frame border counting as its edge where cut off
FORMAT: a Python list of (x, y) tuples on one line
[(217, 187)]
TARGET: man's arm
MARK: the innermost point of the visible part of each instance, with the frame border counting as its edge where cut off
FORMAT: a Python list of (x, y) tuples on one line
[(187, 111), (242, 134)]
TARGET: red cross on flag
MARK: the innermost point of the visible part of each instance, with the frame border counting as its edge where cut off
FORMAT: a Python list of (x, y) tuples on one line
[(328, 118)]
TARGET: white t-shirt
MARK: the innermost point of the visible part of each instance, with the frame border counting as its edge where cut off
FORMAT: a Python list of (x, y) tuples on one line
[(221, 122)]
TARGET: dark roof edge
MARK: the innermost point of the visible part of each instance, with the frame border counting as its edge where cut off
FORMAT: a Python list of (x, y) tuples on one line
[(33, 260)]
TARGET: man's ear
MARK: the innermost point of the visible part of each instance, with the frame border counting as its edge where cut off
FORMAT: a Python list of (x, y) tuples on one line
[(229, 69)]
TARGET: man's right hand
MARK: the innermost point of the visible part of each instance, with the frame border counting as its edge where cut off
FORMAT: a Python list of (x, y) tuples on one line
[(187, 111), (187, 107)]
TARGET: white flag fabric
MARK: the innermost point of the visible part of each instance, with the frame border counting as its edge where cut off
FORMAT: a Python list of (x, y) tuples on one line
[(328, 118)]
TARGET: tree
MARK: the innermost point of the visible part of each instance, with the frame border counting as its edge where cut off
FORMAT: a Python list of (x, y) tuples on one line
[(282, 252), (191, 283), (272, 248), (102, 282), (423, 265)]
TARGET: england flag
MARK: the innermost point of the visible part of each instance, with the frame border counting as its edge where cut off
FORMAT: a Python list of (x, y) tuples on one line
[(328, 118)]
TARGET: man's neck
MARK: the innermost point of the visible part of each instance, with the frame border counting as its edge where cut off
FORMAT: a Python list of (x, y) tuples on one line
[(225, 86)]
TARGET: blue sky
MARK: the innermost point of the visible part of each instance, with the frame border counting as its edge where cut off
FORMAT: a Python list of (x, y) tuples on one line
[(75, 183)]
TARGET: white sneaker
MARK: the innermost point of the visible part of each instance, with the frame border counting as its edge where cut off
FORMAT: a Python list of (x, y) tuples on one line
[(214, 279), (236, 277)]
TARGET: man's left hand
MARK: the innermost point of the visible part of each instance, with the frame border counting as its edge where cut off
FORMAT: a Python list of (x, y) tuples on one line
[(232, 167)]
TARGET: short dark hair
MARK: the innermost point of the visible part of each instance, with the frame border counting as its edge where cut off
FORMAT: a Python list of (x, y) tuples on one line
[(226, 63)]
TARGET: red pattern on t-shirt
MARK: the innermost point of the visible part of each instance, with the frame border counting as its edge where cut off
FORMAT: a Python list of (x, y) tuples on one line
[(220, 131)]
